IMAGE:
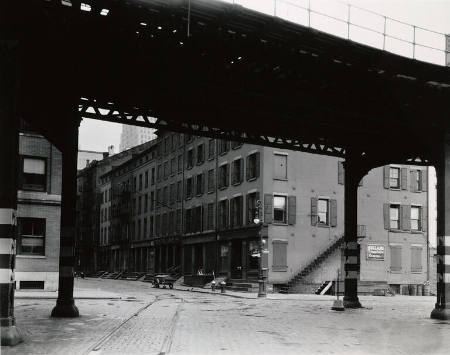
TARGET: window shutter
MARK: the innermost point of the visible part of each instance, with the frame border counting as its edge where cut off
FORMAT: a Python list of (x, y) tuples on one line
[(268, 207), (247, 168), (386, 171), (279, 255), (396, 258), (413, 185), (416, 259), (333, 213), (424, 180), (405, 222), (292, 209), (404, 178), (424, 213), (227, 215), (257, 164), (386, 216), (314, 215), (241, 177), (227, 175), (341, 175)]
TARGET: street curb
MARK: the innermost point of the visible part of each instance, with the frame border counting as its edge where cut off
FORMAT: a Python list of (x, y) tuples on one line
[(75, 298), (214, 293)]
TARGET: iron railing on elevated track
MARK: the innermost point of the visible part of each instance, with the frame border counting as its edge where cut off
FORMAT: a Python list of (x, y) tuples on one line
[(360, 25)]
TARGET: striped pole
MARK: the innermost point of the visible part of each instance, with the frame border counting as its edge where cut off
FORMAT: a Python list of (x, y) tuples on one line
[(9, 158), (442, 306), (65, 304), (351, 251)]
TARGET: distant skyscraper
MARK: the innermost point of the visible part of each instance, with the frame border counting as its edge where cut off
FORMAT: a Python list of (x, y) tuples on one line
[(132, 136)]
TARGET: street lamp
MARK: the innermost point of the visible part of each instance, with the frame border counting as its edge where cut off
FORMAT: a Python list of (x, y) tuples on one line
[(262, 271)]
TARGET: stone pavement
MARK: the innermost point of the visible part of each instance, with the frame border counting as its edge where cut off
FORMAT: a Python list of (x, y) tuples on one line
[(139, 319)]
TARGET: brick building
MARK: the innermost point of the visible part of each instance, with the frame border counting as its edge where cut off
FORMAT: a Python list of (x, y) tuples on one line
[(39, 212), (190, 202)]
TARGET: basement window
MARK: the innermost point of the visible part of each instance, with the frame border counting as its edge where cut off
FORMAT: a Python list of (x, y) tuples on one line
[(31, 285)]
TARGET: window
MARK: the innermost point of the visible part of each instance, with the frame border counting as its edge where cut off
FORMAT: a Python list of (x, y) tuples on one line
[(419, 180), (179, 191), (172, 193), (166, 145), (200, 154), (166, 196), (211, 180), (166, 169), (197, 219), (190, 159), (158, 198), (394, 178), (188, 220), (224, 146), (145, 203), (322, 211), (180, 163), (251, 207), (189, 187), (171, 222), (394, 215), (150, 222), (253, 166), (146, 179), (236, 211), (134, 183), (31, 239), (34, 174), (138, 232), (200, 184), (153, 177), (279, 255), (211, 149), (181, 140), (238, 171), (279, 209), (210, 219), (139, 205), (280, 170), (173, 167), (174, 141), (416, 218), (159, 173), (152, 200), (178, 221), (223, 176), (223, 214), (140, 182)]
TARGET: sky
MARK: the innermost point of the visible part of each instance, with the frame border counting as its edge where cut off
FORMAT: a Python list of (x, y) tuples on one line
[(430, 14)]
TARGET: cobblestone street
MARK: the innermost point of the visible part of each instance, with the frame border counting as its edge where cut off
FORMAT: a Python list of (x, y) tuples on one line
[(134, 318)]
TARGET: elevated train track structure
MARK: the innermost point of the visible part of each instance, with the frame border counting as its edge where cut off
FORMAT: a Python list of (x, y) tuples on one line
[(220, 70)]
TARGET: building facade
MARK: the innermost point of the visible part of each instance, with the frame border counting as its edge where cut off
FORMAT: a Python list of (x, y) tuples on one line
[(39, 213), (132, 136), (189, 203)]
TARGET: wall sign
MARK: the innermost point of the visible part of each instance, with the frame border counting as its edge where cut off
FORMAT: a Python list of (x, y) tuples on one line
[(375, 252)]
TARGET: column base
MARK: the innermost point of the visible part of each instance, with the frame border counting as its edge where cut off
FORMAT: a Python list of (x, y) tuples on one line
[(440, 313), (10, 336), (352, 303), (65, 310)]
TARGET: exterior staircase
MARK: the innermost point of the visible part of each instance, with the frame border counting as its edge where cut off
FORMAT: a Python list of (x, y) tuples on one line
[(313, 265)]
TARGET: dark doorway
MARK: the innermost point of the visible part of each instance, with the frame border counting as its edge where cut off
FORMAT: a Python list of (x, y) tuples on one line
[(236, 259), (252, 261)]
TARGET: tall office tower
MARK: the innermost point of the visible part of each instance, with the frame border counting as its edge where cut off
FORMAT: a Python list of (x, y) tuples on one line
[(132, 136)]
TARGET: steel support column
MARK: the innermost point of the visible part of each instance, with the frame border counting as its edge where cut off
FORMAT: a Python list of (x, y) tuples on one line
[(65, 304), (351, 252), (9, 159), (442, 306)]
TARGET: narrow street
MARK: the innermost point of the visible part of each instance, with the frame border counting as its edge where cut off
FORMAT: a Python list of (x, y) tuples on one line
[(123, 317)]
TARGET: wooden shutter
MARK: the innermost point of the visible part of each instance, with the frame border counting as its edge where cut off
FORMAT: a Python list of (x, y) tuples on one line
[(424, 213), (386, 216), (396, 258), (227, 175), (413, 185), (404, 178), (314, 215), (257, 164), (292, 209), (424, 180), (416, 259), (333, 213), (268, 208), (405, 217), (279, 255), (247, 168), (386, 171), (341, 175), (241, 177)]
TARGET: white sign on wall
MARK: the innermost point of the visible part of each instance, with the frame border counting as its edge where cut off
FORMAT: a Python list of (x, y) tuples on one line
[(375, 252)]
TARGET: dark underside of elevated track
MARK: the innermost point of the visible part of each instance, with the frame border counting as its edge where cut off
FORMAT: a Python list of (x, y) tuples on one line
[(238, 75)]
